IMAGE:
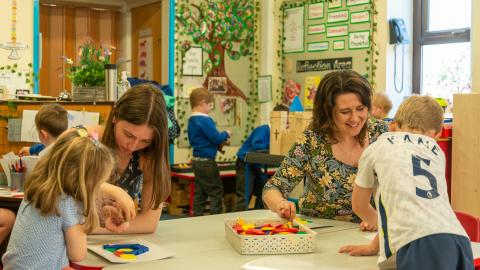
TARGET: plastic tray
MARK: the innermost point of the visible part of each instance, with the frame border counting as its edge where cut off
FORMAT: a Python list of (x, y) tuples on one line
[(270, 244)]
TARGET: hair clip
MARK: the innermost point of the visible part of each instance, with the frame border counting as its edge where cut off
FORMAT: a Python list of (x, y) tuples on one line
[(83, 132)]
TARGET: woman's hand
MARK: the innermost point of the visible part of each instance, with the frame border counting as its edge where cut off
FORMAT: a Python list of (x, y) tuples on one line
[(364, 226), (285, 209)]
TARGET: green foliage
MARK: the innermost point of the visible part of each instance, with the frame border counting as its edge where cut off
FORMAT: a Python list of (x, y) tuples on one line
[(29, 75), (228, 23), (90, 71)]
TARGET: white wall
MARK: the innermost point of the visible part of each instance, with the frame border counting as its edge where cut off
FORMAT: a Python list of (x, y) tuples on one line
[(475, 39), (396, 9), (24, 31)]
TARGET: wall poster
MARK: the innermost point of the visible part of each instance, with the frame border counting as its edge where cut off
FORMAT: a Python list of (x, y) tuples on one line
[(293, 29)]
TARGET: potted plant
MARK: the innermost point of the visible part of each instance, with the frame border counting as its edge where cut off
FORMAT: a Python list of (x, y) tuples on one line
[(88, 77)]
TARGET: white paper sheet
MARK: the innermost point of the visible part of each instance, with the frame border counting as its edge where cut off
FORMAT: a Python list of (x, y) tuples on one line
[(155, 252), (75, 118)]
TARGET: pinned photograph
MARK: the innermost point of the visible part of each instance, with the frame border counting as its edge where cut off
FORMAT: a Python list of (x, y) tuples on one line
[(217, 85)]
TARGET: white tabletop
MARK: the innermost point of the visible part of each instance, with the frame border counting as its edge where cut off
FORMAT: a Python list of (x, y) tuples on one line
[(200, 243)]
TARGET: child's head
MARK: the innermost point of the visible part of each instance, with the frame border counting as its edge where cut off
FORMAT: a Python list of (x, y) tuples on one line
[(201, 100), (381, 105), (419, 114), (76, 166), (51, 120)]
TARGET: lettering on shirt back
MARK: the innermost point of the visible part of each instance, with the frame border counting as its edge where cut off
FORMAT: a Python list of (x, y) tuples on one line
[(407, 139)]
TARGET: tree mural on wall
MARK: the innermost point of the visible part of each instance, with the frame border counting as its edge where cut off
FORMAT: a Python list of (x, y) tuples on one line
[(221, 28)]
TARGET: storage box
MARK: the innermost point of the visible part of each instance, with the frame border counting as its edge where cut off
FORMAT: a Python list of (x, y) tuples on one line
[(179, 197), (270, 244)]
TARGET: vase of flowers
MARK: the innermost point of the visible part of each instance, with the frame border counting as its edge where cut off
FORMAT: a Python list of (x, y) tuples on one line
[(88, 77)]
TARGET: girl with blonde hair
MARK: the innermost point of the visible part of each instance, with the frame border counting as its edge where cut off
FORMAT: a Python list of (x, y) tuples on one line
[(59, 207)]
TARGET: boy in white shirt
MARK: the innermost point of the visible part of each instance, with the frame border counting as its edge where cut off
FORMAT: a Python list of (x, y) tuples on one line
[(406, 171)]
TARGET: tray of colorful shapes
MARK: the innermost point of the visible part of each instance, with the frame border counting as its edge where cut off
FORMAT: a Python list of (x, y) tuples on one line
[(269, 236)]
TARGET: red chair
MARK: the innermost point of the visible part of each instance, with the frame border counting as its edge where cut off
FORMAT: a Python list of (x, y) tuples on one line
[(476, 263), (77, 266), (471, 225)]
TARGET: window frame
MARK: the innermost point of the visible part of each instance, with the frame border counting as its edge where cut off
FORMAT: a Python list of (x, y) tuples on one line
[(421, 37)]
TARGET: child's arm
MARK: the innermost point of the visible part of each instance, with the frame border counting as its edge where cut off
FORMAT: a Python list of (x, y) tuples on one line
[(25, 151), (76, 241), (362, 250), (361, 204), (213, 135)]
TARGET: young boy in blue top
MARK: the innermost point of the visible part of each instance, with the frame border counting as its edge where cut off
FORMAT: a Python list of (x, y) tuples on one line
[(258, 140), (205, 140), (417, 225), (51, 120)]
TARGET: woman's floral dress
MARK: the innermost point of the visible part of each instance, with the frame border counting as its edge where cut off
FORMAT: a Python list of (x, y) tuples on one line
[(329, 182)]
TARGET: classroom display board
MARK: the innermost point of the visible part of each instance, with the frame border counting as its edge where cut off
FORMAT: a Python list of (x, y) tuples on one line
[(215, 49), (320, 36)]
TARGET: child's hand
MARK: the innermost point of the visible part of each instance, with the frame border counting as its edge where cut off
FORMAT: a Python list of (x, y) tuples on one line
[(362, 250), (364, 226), (229, 132), (114, 221), (359, 250), (285, 209), (25, 151), (123, 202)]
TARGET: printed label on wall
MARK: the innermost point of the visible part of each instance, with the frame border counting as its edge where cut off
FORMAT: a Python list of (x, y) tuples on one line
[(317, 46), (337, 16), (357, 2), (315, 11), (316, 29), (337, 31), (359, 17), (359, 40), (338, 45), (324, 64)]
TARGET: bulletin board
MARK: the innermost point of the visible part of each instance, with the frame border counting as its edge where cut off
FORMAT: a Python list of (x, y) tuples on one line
[(219, 54), (320, 36)]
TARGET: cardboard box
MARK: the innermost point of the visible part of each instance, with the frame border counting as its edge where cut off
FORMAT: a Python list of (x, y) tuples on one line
[(179, 197), (278, 120), (174, 210), (289, 137)]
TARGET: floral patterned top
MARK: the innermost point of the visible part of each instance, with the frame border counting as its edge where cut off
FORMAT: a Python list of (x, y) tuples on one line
[(329, 182)]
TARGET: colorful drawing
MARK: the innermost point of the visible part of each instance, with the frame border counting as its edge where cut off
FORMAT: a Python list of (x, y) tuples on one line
[(292, 89), (145, 62), (311, 85)]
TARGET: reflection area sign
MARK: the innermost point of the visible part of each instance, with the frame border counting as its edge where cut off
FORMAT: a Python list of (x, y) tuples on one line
[(324, 64)]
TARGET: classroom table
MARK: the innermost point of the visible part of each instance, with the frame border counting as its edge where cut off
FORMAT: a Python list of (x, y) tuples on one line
[(200, 243)]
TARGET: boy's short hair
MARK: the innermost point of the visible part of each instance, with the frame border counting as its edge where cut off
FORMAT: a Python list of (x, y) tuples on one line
[(52, 118), (382, 100), (199, 95), (420, 112)]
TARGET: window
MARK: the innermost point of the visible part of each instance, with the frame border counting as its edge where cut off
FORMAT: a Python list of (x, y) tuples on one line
[(441, 44)]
